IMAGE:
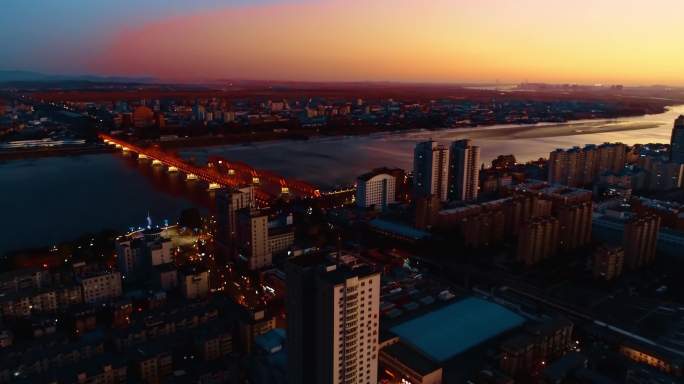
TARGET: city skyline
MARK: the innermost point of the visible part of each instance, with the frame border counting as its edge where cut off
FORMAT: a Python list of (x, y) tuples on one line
[(448, 42), (341, 192)]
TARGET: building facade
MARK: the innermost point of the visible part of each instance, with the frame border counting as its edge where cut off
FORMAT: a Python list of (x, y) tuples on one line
[(333, 329), (464, 175), (574, 225), (677, 141), (252, 237), (431, 170), (375, 190), (538, 240), (101, 287), (228, 203), (640, 240), (608, 262), (577, 166), (194, 282)]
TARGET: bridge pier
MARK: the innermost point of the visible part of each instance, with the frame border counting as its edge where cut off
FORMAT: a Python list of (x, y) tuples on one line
[(218, 172)]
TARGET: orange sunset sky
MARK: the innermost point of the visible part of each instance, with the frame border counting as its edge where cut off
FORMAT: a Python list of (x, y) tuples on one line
[(585, 41)]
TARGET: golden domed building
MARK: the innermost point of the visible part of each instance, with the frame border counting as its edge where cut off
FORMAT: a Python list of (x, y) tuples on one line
[(143, 117)]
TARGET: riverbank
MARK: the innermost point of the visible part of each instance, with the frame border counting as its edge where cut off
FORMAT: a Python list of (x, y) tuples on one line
[(310, 134), (32, 153)]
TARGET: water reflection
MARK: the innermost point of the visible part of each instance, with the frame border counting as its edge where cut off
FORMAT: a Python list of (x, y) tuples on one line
[(337, 160)]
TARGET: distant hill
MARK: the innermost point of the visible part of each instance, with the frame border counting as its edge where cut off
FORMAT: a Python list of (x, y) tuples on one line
[(12, 76)]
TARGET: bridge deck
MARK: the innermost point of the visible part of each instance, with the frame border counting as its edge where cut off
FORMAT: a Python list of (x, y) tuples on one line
[(223, 172)]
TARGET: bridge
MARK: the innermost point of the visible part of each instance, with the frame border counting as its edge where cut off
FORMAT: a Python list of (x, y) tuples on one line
[(221, 172)]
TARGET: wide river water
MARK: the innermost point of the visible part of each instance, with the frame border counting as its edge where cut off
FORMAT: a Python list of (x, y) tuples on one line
[(47, 200)]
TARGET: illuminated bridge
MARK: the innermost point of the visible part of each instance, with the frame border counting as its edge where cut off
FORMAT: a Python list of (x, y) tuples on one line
[(220, 172)]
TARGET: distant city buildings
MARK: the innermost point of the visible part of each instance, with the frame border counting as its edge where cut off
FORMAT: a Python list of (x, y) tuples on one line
[(206, 306), (659, 174), (143, 117), (578, 167)]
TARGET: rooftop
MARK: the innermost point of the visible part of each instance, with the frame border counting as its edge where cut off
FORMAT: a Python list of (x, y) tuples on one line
[(452, 330), (411, 358), (271, 341), (399, 229), (340, 273)]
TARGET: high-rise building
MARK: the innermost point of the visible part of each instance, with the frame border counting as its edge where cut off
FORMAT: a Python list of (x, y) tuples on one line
[(333, 322), (566, 166), (136, 256), (401, 183), (608, 262), (575, 225), (519, 209), (611, 157), (577, 166), (640, 240), (228, 203), (661, 175), (677, 141), (484, 229), (194, 282), (571, 206), (589, 165), (375, 189), (101, 287), (430, 170), (425, 211), (349, 310), (464, 175), (301, 317), (538, 240), (252, 237), (541, 342)]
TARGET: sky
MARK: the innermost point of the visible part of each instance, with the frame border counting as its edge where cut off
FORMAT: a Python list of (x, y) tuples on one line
[(637, 42)]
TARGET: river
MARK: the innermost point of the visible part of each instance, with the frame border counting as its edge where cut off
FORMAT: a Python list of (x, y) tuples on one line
[(47, 200)]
